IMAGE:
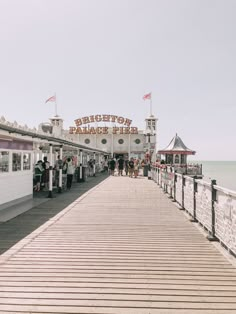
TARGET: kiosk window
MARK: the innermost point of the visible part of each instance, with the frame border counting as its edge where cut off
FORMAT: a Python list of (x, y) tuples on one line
[(4, 161), (26, 161), (16, 161)]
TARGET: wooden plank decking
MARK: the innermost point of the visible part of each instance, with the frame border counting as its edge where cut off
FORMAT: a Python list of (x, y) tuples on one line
[(122, 248)]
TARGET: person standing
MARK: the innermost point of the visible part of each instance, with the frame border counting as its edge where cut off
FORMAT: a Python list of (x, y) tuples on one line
[(112, 166), (126, 166), (136, 167), (38, 172), (45, 178), (70, 172), (57, 167), (106, 165), (120, 166), (131, 167)]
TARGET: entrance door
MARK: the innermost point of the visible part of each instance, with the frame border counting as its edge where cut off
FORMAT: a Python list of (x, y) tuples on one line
[(117, 156)]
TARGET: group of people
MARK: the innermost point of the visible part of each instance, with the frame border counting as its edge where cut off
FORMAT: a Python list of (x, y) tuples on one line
[(130, 166), (41, 172)]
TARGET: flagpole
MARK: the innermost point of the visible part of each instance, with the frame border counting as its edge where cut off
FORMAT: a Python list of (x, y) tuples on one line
[(55, 105), (151, 105)]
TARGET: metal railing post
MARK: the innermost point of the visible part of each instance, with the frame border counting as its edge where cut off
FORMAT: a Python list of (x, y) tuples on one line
[(167, 180), (174, 197), (212, 236), (183, 182), (193, 219), (60, 173), (171, 183)]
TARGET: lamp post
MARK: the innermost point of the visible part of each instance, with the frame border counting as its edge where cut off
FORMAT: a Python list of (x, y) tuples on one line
[(148, 135)]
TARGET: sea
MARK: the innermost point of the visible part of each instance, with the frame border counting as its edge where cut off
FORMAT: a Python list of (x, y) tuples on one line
[(224, 172)]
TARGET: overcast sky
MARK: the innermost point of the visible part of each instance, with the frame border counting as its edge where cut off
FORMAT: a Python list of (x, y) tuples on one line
[(102, 56)]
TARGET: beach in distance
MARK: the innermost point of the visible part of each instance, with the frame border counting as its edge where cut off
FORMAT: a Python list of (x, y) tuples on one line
[(224, 172)]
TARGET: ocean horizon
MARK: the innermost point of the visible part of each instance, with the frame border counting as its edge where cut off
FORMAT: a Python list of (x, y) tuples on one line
[(224, 172)]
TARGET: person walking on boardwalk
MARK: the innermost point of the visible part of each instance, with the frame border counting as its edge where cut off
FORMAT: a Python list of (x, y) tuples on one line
[(45, 178), (38, 173), (112, 166), (57, 167), (136, 167), (106, 165), (120, 166), (126, 166), (70, 172), (131, 167)]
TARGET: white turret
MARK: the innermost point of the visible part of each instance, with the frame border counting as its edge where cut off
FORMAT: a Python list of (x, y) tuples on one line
[(57, 125), (151, 135)]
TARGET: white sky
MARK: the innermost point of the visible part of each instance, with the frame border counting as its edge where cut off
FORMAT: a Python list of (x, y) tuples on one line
[(102, 56)]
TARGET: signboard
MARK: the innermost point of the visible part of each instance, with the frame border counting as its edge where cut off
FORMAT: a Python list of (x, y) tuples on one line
[(125, 129)]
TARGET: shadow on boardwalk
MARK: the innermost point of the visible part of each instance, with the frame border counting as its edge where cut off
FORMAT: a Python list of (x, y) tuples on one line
[(19, 227)]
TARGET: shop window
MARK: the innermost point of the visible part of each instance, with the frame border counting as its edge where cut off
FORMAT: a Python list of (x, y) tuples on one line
[(16, 161), (87, 141), (4, 161), (121, 141), (104, 141), (26, 161)]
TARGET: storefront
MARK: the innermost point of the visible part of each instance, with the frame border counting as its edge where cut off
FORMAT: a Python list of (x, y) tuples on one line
[(114, 134)]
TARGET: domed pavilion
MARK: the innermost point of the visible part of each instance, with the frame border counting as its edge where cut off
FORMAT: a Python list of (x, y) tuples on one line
[(176, 152)]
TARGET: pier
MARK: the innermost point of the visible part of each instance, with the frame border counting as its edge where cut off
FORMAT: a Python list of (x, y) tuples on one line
[(121, 247)]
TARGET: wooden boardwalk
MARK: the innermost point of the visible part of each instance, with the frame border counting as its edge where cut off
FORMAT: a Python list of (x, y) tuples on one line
[(123, 248)]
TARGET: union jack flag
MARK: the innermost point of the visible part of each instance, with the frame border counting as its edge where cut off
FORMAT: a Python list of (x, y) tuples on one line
[(147, 96), (52, 98)]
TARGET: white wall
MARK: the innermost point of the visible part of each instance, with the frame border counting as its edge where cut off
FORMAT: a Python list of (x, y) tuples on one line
[(95, 141), (15, 185)]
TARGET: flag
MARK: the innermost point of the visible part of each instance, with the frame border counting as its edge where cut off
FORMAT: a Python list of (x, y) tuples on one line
[(52, 98), (147, 96)]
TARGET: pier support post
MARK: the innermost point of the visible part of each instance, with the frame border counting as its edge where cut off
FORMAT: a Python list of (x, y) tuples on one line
[(212, 236)]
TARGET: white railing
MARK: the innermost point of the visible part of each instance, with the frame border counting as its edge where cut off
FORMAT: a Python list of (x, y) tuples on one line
[(179, 188), (212, 206), (204, 204), (189, 194)]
